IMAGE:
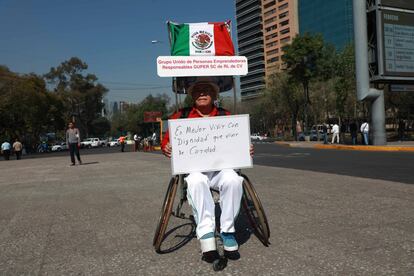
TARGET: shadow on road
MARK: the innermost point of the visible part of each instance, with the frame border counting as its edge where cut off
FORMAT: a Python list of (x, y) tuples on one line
[(177, 237), (90, 163)]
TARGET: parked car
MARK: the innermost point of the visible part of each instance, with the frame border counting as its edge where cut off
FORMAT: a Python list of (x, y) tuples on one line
[(256, 136), (113, 143), (60, 147), (90, 143), (316, 133), (103, 142)]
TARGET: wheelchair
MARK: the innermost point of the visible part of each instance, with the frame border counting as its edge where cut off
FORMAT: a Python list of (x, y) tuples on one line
[(250, 206)]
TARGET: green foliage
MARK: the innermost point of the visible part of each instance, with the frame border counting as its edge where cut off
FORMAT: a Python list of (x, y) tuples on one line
[(133, 119), (317, 85), (302, 57), (81, 94), (27, 109)]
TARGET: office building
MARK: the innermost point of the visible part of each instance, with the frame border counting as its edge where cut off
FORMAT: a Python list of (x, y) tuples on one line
[(333, 19), (250, 44), (264, 27), (280, 26)]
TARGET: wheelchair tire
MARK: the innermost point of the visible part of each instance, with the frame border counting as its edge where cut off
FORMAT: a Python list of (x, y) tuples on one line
[(165, 213), (255, 212)]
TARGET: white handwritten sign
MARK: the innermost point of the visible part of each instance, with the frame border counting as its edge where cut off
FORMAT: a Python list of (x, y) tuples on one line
[(184, 66), (210, 143)]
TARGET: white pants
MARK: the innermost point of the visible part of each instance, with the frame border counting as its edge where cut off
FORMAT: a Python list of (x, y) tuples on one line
[(335, 135), (229, 185)]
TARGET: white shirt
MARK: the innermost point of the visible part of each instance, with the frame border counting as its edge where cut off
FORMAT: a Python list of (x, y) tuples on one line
[(335, 128), (136, 137), (365, 127)]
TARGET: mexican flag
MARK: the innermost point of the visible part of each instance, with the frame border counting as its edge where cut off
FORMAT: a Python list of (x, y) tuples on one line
[(201, 39)]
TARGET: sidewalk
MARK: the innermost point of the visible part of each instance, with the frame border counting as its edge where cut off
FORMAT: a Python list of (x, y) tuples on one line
[(100, 218), (406, 146)]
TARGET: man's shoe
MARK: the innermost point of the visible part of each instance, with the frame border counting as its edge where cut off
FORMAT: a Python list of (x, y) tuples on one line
[(229, 242), (209, 248), (73, 164), (80, 162), (210, 256)]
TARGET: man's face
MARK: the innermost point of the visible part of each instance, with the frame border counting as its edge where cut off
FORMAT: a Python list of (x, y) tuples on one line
[(203, 95)]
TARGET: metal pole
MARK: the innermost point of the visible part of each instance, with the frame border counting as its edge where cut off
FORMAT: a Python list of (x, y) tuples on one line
[(364, 92), (234, 97), (176, 94)]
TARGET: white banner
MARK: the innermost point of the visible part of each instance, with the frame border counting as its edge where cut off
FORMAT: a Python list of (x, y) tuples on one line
[(210, 144), (193, 66)]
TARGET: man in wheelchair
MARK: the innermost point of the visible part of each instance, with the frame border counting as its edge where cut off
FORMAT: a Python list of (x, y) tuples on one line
[(204, 92)]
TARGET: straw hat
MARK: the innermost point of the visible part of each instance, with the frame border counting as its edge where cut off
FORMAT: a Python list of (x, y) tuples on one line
[(204, 81)]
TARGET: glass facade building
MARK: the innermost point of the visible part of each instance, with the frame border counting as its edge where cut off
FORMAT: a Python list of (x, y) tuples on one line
[(250, 42), (264, 28), (333, 19)]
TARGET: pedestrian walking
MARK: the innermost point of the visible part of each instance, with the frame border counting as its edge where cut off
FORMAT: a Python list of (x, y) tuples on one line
[(353, 128), (325, 133), (153, 140), (73, 141), (335, 133), (122, 142), (5, 150), (17, 148), (365, 132), (136, 142), (343, 129)]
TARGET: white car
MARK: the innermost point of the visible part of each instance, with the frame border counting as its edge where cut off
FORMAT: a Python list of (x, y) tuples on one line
[(90, 143), (257, 137), (60, 147), (113, 143)]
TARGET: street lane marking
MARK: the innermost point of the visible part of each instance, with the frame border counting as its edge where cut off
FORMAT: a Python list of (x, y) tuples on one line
[(290, 155)]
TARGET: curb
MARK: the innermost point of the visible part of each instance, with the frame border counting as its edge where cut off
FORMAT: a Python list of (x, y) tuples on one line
[(349, 147), (365, 148), (285, 144)]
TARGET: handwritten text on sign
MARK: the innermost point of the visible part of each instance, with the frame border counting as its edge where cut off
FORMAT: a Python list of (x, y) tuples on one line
[(210, 144), (185, 66)]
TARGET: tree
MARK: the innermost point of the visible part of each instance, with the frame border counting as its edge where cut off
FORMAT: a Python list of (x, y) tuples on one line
[(302, 58), (285, 96), (80, 92), (132, 120), (27, 109)]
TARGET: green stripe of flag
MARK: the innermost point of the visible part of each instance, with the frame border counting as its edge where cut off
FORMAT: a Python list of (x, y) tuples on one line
[(180, 39)]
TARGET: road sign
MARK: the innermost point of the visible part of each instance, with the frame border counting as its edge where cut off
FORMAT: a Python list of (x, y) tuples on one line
[(403, 4), (398, 43), (151, 116), (401, 88)]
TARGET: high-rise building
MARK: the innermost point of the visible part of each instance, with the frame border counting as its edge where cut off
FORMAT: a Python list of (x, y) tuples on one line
[(264, 27), (280, 26), (250, 43), (333, 19)]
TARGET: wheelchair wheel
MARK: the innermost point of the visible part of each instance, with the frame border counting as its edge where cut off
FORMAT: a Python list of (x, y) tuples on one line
[(165, 213), (255, 212)]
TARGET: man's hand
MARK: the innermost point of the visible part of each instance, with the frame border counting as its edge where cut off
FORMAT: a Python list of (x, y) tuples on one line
[(251, 150), (167, 150)]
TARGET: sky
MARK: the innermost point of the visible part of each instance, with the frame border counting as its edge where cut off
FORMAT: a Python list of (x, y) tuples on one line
[(112, 37)]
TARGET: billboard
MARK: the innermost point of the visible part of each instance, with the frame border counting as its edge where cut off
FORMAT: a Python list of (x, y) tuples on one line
[(398, 42), (402, 4), (152, 116), (395, 46)]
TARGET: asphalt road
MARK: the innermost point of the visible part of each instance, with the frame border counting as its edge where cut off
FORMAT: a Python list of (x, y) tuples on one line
[(392, 166)]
